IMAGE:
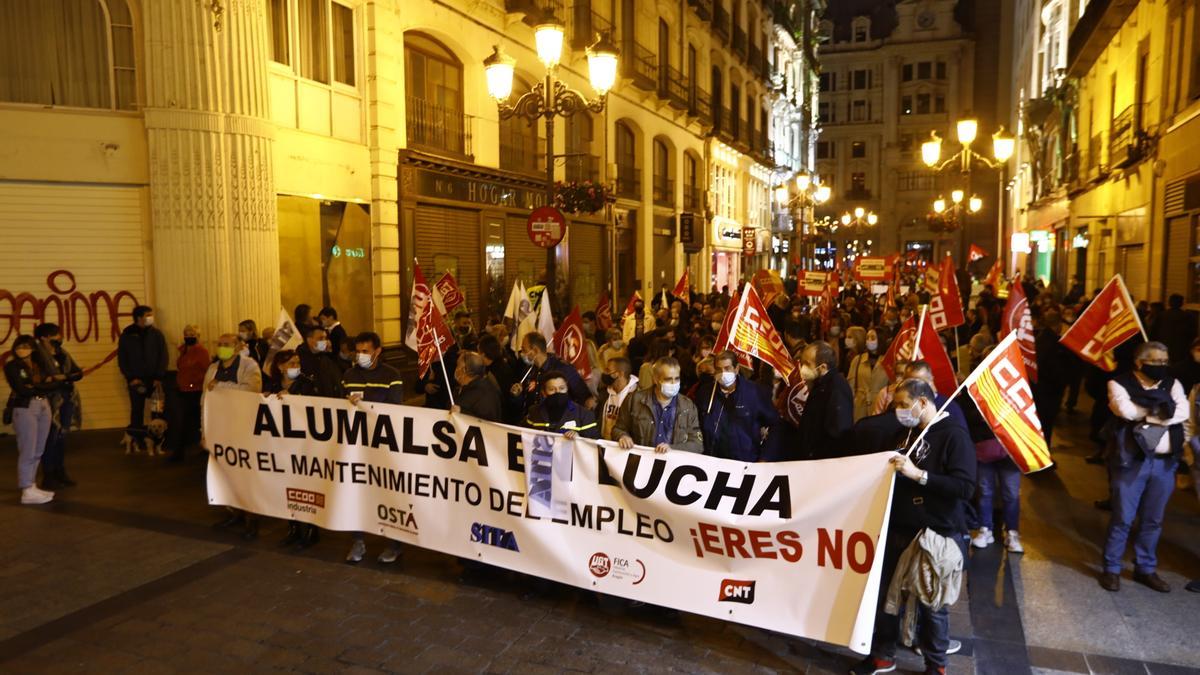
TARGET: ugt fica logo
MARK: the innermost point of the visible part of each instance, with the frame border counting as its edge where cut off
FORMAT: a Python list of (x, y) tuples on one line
[(304, 500), (621, 569), (494, 536), (736, 590)]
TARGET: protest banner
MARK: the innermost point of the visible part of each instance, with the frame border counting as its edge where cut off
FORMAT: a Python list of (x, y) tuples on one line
[(784, 546)]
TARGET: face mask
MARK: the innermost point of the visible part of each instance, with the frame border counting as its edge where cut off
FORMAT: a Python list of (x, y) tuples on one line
[(526, 358), (190, 341), (57, 344), (293, 373), (225, 353), (808, 373), (322, 346), (669, 389), (606, 380), (364, 360), (872, 345), (149, 321), (726, 379), (244, 335), (908, 417), (835, 330), (22, 353), (556, 405), (1155, 373), (617, 344)]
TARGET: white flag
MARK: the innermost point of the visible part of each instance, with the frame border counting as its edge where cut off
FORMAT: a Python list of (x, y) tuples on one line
[(514, 302)]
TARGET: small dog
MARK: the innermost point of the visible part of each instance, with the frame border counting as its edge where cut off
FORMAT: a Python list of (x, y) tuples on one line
[(152, 442)]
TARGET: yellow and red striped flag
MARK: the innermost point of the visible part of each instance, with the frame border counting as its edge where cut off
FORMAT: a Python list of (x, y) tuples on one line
[(754, 334), (1000, 389)]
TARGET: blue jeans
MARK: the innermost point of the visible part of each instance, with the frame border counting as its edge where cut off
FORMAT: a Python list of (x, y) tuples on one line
[(1009, 477), (1139, 491), (56, 442), (933, 628), (32, 426)]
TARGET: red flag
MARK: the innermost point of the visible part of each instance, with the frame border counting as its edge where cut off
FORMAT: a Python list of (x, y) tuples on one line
[(681, 287), (901, 348), (975, 253), (420, 297), (433, 335), (630, 307), (791, 400), (570, 345), (828, 300), (754, 334), (451, 295), (604, 320), (1109, 320), (722, 341), (930, 350), (768, 285), (1001, 391), (1016, 318), (945, 307), (994, 275)]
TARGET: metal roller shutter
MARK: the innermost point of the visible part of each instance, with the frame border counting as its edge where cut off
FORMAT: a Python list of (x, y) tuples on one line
[(1133, 270), (75, 256), (523, 259), (664, 263), (587, 264), (448, 238), (1179, 249)]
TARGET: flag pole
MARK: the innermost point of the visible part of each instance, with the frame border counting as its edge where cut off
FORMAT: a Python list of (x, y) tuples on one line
[(441, 359), (917, 335)]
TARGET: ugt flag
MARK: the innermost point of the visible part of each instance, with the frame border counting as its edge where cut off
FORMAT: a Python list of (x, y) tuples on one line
[(447, 294), (433, 337), (604, 320), (1110, 320), (901, 348), (570, 345), (1002, 393), (417, 302)]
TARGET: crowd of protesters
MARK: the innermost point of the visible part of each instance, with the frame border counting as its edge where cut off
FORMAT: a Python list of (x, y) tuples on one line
[(655, 381)]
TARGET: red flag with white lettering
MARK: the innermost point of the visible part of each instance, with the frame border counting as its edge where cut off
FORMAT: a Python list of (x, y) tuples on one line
[(1017, 318), (570, 345), (754, 334), (604, 319), (433, 335), (1108, 321), (448, 291), (945, 306)]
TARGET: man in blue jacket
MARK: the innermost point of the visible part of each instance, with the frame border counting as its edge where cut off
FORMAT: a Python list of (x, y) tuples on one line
[(733, 413)]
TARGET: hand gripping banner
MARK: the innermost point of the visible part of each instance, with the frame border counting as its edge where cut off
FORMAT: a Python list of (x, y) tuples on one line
[(787, 547)]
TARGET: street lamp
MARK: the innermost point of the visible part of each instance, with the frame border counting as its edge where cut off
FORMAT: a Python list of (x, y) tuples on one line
[(551, 98), (949, 217), (809, 195)]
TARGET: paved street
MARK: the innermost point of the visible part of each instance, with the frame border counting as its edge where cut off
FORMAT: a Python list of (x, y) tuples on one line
[(124, 574)]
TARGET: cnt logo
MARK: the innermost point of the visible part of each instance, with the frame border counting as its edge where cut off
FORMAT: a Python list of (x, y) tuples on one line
[(494, 536), (304, 500), (736, 590)]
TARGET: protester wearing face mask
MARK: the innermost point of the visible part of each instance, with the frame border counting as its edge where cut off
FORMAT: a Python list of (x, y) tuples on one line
[(659, 417), (252, 346), (616, 383), (29, 406), (319, 364), (593, 352), (231, 370), (921, 370), (64, 404), (557, 413), (614, 348), (860, 370), (537, 360), (1146, 445), (829, 410), (934, 482), (142, 357), (734, 413), (372, 381), (478, 394), (191, 366), (327, 319), (287, 378)]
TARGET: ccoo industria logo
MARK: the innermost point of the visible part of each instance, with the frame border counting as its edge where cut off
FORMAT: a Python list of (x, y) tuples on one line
[(494, 536), (306, 501)]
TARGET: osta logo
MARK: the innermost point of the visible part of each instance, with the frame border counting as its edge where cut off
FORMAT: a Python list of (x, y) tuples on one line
[(736, 590), (602, 565), (494, 536), (397, 519), (304, 500)]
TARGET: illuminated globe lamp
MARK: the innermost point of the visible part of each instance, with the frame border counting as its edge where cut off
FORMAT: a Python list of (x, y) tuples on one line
[(498, 68), (548, 37), (602, 65)]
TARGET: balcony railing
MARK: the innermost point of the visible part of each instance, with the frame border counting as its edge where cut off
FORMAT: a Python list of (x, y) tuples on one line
[(639, 64), (520, 153), (700, 106), (438, 128), (664, 191), (629, 182), (1098, 160), (755, 59), (677, 88), (534, 9), (586, 24), (583, 167), (739, 40), (1123, 147), (693, 197), (703, 8), (721, 20)]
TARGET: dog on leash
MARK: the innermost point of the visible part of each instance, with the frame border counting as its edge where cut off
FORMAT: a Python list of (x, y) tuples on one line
[(152, 443)]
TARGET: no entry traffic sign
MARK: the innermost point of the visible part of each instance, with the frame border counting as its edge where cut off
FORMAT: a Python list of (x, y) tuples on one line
[(546, 226)]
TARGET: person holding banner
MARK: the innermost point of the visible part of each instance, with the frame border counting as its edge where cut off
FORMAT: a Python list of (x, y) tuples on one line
[(617, 382), (734, 413), (232, 370), (538, 361), (1144, 450), (936, 465), (318, 364), (557, 413), (659, 417)]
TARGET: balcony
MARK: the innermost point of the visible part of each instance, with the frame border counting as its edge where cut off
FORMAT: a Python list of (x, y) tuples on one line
[(437, 128), (1098, 162), (639, 64), (520, 153), (755, 60), (721, 20), (629, 182), (704, 8), (700, 106), (739, 41), (674, 87), (664, 191), (1094, 31), (583, 167), (586, 24), (693, 198), (1124, 147)]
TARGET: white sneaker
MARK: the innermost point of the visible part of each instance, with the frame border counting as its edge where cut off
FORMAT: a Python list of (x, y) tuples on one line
[(32, 495), (389, 555), (357, 550), (953, 647), (983, 537), (1012, 541)]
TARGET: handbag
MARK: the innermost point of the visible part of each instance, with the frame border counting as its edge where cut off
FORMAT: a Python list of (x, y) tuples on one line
[(989, 451), (1148, 436)]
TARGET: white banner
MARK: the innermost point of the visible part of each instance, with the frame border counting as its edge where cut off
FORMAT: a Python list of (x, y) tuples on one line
[(786, 546)]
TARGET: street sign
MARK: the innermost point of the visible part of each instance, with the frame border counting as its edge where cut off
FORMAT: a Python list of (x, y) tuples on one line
[(546, 226), (687, 233), (749, 241)]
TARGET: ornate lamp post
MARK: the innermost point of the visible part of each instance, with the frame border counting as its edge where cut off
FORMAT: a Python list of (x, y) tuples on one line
[(952, 216), (551, 98), (809, 195)]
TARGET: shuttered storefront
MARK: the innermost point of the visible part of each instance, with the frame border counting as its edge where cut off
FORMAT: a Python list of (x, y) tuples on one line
[(75, 256), (1133, 270), (664, 264), (448, 239), (1179, 250), (586, 247), (523, 259)]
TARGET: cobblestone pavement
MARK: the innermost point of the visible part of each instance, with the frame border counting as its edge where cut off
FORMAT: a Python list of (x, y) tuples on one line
[(123, 574)]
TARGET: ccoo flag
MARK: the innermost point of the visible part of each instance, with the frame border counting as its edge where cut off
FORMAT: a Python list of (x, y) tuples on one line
[(754, 334), (1001, 391), (1107, 322), (945, 306)]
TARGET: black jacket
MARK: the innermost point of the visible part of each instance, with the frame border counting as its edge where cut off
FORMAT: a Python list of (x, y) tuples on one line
[(21, 381), (322, 369), (481, 398), (436, 375), (939, 504), (381, 384), (873, 433), (337, 335), (142, 354), (575, 418), (827, 419)]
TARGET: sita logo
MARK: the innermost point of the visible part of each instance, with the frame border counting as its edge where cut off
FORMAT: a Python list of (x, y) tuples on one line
[(494, 536)]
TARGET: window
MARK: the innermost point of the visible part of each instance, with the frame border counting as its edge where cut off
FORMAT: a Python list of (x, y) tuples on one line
[(313, 39), (860, 29), (862, 79), (828, 81), (941, 70), (823, 112), (858, 150), (923, 101), (277, 23), (691, 186), (924, 70), (735, 109), (57, 53), (582, 163), (858, 183), (905, 143), (860, 111), (433, 88), (519, 140), (939, 103), (906, 105), (343, 44), (916, 180), (825, 149), (907, 72)]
